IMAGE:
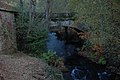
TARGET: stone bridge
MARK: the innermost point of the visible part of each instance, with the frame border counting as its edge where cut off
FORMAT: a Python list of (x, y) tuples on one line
[(58, 20)]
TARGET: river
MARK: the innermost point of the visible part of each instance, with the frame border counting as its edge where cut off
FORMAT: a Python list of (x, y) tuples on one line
[(80, 68)]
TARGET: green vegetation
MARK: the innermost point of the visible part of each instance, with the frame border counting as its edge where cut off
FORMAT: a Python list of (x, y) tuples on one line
[(35, 42), (53, 60), (54, 74), (102, 60), (32, 36), (48, 56), (102, 17)]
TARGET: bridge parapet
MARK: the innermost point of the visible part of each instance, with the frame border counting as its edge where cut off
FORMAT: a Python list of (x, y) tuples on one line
[(62, 16), (61, 23)]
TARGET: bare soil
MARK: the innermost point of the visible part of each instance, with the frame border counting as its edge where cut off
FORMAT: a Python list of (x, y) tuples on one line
[(22, 67)]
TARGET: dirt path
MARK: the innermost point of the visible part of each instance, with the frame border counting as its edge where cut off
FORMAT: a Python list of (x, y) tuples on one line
[(22, 67)]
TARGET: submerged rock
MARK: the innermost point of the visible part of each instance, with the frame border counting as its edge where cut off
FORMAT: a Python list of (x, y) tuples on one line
[(104, 76), (82, 74), (78, 74)]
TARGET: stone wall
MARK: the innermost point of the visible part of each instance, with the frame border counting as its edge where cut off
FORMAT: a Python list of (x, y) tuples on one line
[(7, 32)]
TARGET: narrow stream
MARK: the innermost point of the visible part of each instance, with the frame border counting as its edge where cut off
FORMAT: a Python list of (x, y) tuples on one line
[(80, 68), (61, 49)]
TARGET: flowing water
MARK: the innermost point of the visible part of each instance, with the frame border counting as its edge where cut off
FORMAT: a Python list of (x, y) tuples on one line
[(80, 68), (62, 49)]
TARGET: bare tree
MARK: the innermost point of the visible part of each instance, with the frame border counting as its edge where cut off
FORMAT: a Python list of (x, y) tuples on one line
[(21, 7), (21, 4), (34, 3), (32, 10), (47, 12), (30, 16)]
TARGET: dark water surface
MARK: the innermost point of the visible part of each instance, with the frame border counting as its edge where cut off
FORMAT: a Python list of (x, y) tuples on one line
[(80, 68), (62, 49)]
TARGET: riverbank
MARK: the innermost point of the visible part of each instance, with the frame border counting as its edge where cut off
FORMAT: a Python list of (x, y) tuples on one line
[(19, 66), (79, 62)]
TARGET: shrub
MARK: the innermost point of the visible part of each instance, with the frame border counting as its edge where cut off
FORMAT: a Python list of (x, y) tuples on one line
[(35, 42), (53, 60)]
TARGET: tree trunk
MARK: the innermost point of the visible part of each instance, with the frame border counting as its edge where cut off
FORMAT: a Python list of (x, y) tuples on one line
[(47, 12), (21, 7), (34, 10), (30, 16)]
